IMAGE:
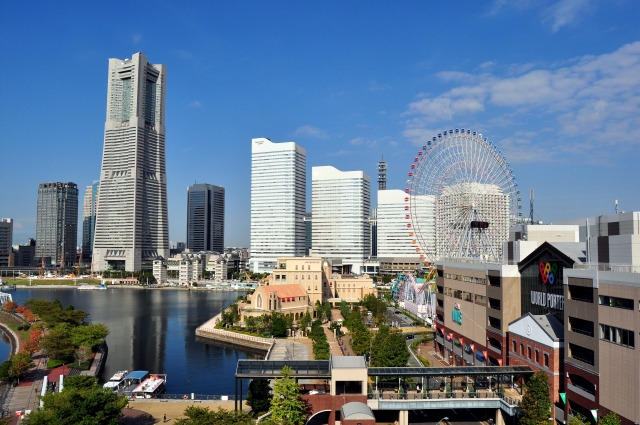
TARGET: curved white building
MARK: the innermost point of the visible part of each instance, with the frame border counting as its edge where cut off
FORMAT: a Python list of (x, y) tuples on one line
[(278, 198), (394, 239), (340, 205)]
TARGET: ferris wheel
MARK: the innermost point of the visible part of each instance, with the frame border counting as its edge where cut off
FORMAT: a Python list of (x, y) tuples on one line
[(462, 197)]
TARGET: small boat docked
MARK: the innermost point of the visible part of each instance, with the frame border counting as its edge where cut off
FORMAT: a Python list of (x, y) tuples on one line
[(138, 384), (151, 387)]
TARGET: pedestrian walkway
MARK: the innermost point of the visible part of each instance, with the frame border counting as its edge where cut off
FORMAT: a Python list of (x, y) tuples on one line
[(24, 396), (288, 350), (334, 345)]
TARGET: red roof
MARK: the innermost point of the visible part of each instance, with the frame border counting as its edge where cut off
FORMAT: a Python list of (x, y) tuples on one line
[(287, 291)]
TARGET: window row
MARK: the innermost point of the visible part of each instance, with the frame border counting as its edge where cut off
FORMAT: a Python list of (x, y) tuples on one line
[(471, 279), (616, 302), (617, 336), (529, 351), (465, 296)]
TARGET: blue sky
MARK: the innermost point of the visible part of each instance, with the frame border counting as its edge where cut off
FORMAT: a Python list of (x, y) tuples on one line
[(555, 84)]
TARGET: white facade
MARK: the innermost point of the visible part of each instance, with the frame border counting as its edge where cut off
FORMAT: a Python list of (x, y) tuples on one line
[(278, 197), (394, 238), (131, 225), (454, 210), (340, 203)]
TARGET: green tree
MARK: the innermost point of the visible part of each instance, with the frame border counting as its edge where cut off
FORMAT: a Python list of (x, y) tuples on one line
[(535, 407), (81, 406), (286, 405), (90, 335), (578, 419), (57, 343), (4, 370), (610, 419), (203, 416), (80, 382), (389, 349), (20, 363), (259, 395), (279, 326), (319, 310), (345, 310), (326, 310), (250, 322), (306, 320)]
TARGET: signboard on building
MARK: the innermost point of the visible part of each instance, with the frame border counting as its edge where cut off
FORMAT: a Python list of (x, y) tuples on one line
[(456, 314)]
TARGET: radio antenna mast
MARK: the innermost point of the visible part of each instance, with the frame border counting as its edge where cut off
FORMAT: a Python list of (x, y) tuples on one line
[(531, 207)]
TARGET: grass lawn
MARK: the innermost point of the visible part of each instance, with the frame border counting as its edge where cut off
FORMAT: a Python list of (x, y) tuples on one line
[(44, 282)]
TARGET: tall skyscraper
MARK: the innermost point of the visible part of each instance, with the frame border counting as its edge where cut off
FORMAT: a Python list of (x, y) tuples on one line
[(57, 224), (340, 205), (278, 197), (6, 241), (132, 227), (205, 218), (394, 238), (89, 220)]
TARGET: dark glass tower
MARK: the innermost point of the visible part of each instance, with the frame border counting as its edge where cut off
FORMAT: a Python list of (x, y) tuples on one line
[(57, 224), (205, 218)]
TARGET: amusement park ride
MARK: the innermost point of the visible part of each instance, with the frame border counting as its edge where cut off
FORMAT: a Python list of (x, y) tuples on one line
[(461, 199)]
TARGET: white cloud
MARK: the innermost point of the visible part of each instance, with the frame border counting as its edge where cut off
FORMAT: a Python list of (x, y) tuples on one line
[(136, 38), (565, 12), (595, 98), (310, 131), (393, 143), (196, 104), (358, 141)]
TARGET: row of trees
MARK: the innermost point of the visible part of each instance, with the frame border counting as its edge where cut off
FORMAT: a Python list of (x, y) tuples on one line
[(321, 349)]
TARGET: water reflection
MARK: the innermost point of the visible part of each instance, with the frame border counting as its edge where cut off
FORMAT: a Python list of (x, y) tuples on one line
[(155, 330)]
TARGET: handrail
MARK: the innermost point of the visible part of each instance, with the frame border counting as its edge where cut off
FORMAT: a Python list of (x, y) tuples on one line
[(236, 335)]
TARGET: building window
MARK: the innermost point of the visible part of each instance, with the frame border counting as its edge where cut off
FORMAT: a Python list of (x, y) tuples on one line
[(529, 353), (309, 267), (580, 293), (481, 300), (546, 360), (308, 287), (316, 276), (537, 357), (302, 277), (515, 345), (309, 276), (616, 302), (296, 277), (296, 267), (522, 349), (617, 336)]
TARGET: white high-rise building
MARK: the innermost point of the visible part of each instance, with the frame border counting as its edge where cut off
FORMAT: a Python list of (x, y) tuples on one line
[(394, 238), (340, 205), (132, 227), (278, 198)]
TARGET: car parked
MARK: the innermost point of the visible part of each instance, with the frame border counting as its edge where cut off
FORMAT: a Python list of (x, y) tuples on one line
[(409, 336)]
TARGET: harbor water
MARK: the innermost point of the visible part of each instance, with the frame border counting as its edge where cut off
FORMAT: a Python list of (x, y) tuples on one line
[(154, 330)]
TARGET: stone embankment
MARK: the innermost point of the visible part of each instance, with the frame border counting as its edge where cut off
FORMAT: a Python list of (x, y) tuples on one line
[(208, 331)]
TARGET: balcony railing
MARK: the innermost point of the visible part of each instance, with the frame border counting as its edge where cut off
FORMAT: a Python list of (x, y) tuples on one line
[(583, 332), (606, 267), (589, 362)]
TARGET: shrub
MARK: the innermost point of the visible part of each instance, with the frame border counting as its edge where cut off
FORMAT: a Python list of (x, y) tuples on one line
[(52, 363)]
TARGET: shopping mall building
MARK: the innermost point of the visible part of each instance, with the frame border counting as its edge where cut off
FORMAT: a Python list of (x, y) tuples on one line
[(568, 305)]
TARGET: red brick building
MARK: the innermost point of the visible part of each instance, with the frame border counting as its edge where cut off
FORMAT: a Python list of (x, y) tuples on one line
[(537, 341)]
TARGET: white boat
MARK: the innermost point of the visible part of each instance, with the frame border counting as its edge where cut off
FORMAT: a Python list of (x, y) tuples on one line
[(87, 287), (119, 376)]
